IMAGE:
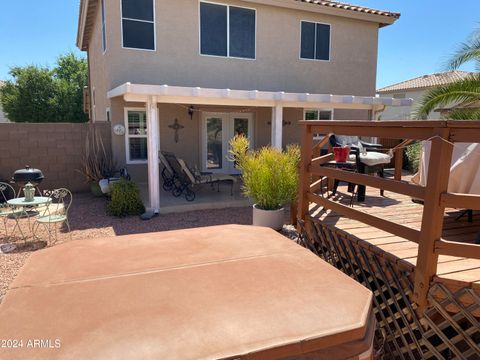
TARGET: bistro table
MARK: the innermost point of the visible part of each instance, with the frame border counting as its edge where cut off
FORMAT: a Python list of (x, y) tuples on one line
[(219, 292), (37, 201), (21, 203)]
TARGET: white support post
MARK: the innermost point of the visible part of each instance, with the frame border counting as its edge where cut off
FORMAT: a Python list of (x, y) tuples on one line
[(153, 146), (277, 126)]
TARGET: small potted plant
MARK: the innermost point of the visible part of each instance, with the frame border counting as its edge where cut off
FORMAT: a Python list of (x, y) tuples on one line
[(270, 178), (97, 162)]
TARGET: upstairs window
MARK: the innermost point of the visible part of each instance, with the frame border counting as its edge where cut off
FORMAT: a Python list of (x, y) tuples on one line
[(227, 31), (138, 24), (104, 29), (315, 42)]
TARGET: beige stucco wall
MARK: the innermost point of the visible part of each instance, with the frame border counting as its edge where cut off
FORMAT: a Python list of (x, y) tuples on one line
[(277, 67), (407, 112), (176, 60), (98, 71)]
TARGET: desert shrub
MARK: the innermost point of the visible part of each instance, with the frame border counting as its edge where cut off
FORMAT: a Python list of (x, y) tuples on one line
[(270, 176), (413, 153), (125, 199)]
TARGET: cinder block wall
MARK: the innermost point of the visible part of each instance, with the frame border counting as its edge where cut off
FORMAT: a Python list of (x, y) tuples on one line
[(54, 148)]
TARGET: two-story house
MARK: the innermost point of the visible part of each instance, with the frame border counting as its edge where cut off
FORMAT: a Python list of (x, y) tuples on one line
[(187, 75), (416, 89)]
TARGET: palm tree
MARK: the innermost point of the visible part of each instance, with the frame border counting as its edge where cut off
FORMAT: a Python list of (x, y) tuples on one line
[(465, 91)]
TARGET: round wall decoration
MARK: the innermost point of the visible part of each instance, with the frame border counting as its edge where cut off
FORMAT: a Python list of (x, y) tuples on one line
[(119, 129)]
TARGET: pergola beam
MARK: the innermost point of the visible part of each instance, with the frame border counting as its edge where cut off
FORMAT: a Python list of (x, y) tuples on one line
[(226, 97)]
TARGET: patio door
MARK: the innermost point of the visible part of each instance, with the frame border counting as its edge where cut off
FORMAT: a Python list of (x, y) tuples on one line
[(217, 130)]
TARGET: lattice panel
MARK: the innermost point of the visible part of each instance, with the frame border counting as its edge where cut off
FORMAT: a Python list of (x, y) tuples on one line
[(441, 334), (453, 320)]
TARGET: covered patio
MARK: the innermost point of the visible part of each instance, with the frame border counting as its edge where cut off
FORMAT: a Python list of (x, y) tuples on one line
[(154, 95), (207, 198)]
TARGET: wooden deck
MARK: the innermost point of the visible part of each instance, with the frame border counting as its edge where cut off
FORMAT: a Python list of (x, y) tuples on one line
[(419, 261), (454, 272)]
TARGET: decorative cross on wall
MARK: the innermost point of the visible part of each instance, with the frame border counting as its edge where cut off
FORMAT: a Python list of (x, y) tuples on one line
[(176, 126)]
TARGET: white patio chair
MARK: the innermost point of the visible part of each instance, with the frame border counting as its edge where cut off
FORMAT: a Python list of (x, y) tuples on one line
[(7, 211), (55, 213)]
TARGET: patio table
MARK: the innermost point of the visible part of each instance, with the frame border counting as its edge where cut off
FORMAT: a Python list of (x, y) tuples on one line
[(37, 201), (21, 203), (209, 293)]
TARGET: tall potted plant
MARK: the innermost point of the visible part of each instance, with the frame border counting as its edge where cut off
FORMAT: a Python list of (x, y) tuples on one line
[(270, 178), (97, 162)]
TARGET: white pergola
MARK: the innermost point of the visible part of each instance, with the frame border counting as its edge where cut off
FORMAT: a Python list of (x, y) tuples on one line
[(152, 95)]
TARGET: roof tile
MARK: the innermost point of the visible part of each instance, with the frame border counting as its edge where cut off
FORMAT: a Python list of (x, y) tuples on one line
[(345, 6), (427, 81)]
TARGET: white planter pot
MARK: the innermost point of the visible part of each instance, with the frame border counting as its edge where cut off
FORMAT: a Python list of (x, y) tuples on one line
[(268, 218)]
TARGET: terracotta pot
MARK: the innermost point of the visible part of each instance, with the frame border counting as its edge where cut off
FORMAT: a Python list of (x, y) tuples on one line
[(273, 219)]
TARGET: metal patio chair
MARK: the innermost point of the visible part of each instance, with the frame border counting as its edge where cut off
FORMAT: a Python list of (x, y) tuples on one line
[(186, 179), (168, 174), (56, 212), (7, 211)]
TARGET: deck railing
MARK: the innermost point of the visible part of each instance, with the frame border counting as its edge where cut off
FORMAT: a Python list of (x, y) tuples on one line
[(435, 195)]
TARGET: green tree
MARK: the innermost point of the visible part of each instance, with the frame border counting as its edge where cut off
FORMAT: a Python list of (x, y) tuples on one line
[(30, 97), (38, 94), (465, 91), (71, 76)]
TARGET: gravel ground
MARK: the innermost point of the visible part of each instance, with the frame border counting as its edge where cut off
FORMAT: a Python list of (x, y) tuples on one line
[(88, 220)]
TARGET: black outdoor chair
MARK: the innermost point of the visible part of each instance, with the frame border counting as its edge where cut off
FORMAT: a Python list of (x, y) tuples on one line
[(183, 180), (168, 174), (363, 166)]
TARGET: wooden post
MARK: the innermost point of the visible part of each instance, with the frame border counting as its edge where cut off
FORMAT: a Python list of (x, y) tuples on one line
[(330, 181), (433, 213), (317, 150), (398, 164), (306, 144), (293, 213)]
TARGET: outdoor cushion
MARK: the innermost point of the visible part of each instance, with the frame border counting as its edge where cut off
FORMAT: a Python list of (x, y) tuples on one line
[(372, 158)]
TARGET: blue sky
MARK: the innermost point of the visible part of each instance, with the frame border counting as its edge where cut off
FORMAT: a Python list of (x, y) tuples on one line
[(36, 32)]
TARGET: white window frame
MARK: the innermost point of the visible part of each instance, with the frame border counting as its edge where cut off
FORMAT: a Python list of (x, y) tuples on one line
[(146, 21), (128, 136), (104, 26), (315, 41), (228, 31), (332, 111)]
